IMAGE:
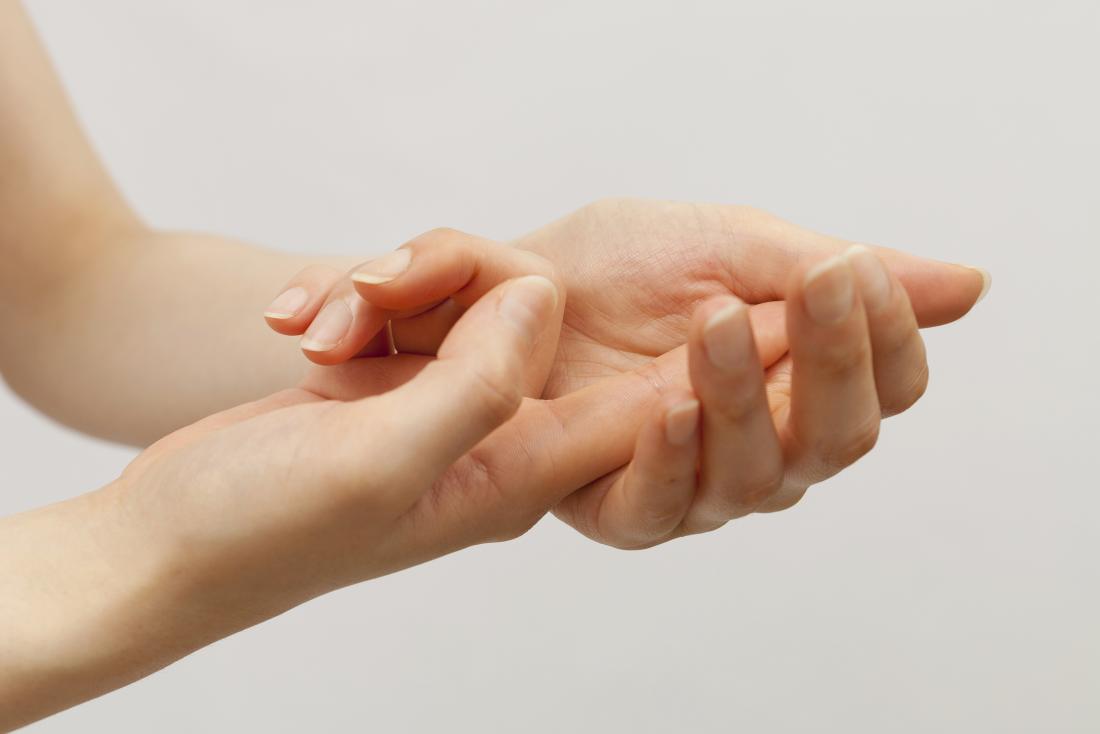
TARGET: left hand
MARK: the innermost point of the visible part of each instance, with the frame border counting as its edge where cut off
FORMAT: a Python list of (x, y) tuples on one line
[(634, 272)]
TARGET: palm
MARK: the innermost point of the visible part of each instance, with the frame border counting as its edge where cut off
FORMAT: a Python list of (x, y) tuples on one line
[(635, 269), (661, 259)]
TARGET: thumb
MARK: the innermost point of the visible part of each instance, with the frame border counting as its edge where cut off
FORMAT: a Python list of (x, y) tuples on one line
[(477, 382)]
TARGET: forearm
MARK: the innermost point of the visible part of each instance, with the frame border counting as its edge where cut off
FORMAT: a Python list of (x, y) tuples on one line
[(106, 325), (86, 606), (151, 333)]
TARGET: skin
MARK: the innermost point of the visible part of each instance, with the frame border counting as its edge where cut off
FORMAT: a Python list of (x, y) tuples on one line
[(818, 390), (602, 402), (86, 276), (256, 509)]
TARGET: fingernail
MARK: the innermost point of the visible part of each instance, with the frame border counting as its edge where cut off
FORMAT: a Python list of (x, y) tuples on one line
[(287, 304), (987, 281), (725, 336), (528, 301), (383, 269), (681, 421), (829, 291), (871, 275), (328, 329)]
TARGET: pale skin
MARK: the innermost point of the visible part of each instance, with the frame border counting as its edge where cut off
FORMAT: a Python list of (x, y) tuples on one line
[(644, 369)]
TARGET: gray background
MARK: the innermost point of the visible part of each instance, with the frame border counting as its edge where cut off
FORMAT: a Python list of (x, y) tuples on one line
[(945, 583)]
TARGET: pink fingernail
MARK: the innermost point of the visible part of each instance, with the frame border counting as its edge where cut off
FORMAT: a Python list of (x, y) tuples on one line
[(328, 329), (829, 291), (871, 275), (287, 304), (987, 281), (681, 421), (726, 336), (383, 269)]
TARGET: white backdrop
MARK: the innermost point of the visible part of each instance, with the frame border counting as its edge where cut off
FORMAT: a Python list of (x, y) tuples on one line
[(945, 583)]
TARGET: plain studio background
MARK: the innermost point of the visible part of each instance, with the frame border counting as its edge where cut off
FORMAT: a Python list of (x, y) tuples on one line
[(948, 582)]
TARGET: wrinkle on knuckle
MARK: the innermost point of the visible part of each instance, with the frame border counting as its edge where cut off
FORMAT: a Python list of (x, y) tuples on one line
[(511, 526), (757, 488), (700, 523), (833, 360), (482, 483), (781, 502), (737, 402), (496, 394), (913, 390), (853, 446), (656, 519), (895, 338)]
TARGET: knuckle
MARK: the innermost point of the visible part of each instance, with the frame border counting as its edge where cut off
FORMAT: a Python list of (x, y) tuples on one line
[(742, 496), (784, 500), (852, 447), (500, 514), (633, 545), (496, 395), (757, 488), (703, 521), (840, 358), (738, 401), (511, 526), (583, 517), (910, 393), (656, 520), (896, 338)]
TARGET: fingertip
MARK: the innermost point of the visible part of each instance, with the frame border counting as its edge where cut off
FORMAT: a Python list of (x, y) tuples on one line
[(528, 302), (285, 312), (769, 330), (287, 325), (707, 310), (383, 270), (987, 282), (291, 312), (649, 501), (319, 356), (873, 281), (829, 291), (940, 292)]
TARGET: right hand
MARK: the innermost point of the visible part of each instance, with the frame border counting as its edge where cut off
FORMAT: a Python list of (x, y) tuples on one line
[(265, 505), (367, 468)]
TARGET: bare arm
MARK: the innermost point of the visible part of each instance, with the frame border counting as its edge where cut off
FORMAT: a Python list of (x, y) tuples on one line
[(98, 310)]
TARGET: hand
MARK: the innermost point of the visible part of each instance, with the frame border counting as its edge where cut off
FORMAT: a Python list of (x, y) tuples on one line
[(765, 436), (314, 488), (368, 467), (635, 269), (253, 510), (624, 308), (741, 438)]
